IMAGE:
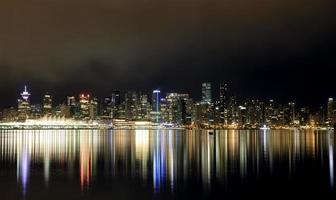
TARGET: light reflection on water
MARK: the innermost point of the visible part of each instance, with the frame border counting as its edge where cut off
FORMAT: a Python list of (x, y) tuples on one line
[(162, 159)]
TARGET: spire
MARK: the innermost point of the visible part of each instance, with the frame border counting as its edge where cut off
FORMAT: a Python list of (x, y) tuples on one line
[(25, 94)]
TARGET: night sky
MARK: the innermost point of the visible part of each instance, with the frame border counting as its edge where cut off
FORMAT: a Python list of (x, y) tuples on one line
[(281, 49)]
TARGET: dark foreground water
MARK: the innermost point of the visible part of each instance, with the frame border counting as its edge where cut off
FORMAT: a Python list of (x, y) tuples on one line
[(86, 164)]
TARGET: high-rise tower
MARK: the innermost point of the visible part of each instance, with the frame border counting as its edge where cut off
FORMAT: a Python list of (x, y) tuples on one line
[(24, 105), (206, 93)]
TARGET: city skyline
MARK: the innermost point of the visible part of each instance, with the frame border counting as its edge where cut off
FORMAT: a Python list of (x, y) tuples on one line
[(177, 109), (215, 93)]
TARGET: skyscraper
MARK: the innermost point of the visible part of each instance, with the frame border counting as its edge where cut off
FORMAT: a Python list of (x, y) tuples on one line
[(143, 107), (223, 103), (84, 105), (24, 105), (47, 104), (73, 106), (330, 111), (93, 108), (206, 93), (115, 98), (156, 105), (292, 116), (131, 105), (106, 108)]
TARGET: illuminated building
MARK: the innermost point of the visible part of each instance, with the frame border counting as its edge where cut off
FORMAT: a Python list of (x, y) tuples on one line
[(206, 93), (115, 100), (291, 106), (304, 116), (47, 105), (116, 105), (321, 116), (331, 112), (35, 111), (223, 103), (156, 106), (84, 104), (164, 110), (73, 106), (93, 109), (270, 113), (176, 111), (232, 111), (106, 108), (9, 114), (131, 105), (144, 107), (24, 105)]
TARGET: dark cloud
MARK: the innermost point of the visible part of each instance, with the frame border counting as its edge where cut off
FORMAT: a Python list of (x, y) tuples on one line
[(280, 48)]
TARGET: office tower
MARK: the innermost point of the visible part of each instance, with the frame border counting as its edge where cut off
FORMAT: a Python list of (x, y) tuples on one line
[(73, 106), (93, 109), (203, 115), (165, 111), (291, 108), (206, 93), (84, 105), (35, 111), (131, 105), (47, 105), (106, 110), (270, 113), (176, 108), (321, 116), (253, 113), (9, 114), (330, 112), (115, 100), (223, 103), (242, 115), (143, 113), (24, 105), (156, 106), (304, 116), (190, 106), (232, 111)]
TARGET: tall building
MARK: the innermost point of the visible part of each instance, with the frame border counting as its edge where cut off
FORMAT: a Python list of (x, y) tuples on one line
[(73, 106), (176, 108), (93, 109), (115, 100), (292, 116), (131, 105), (24, 105), (156, 106), (143, 113), (206, 93), (84, 105), (331, 112), (35, 111), (106, 108), (223, 103), (47, 105)]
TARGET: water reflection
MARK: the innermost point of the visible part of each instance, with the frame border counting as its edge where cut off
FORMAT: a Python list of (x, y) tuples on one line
[(162, 159)]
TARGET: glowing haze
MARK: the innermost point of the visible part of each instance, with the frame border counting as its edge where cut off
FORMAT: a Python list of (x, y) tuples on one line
[(277, 48)]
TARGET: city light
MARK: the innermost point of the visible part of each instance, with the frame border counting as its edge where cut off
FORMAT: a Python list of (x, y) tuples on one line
[(172, 111)]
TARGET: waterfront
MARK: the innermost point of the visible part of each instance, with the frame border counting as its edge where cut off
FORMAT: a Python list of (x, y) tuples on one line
[(165, 164)]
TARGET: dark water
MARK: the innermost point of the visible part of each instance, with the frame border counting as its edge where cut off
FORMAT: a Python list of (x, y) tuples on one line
[(86, 164)]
